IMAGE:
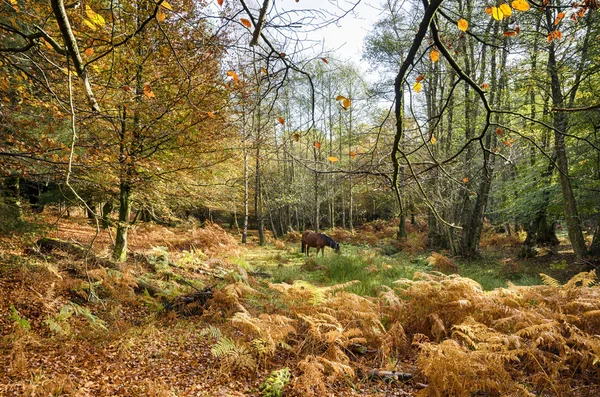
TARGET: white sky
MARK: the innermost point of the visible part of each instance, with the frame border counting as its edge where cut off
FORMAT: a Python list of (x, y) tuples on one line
[(347, 36)]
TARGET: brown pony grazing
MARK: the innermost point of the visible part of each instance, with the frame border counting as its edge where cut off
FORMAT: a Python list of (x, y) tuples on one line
[(319, 240)]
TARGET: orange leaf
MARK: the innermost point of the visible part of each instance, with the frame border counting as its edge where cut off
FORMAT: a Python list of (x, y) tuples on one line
[(485, 86), (282, 54), (559, 17), (463, 24), (324, 60), (233, 74), (148, 91), (296, 136), (339, 97), (346, 103), (220, 2), (246, 22), (420, 78), (488, 10), (352, 154), (281, 120), (89, 51), (160, 15), (333, 159), (465, 179), (317, 144), (499, 131), (211, 115), (47, 44), (434, 56), (517, 29), (520, 5), (510, 33), (433, 140)]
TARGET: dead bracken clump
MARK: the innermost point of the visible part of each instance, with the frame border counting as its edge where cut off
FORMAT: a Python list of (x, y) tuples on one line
[(492, 239), (414, 242), (211, 239), (292, 236), (441, 263)]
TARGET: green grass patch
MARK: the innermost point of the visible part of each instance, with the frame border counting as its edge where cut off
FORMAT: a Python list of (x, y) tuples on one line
[(373, 269)]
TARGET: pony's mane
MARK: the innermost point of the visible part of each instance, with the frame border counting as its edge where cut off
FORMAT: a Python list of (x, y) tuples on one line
[(331, 241)]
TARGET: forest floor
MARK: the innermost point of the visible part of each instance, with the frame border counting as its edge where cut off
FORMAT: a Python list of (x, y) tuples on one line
[(194, 313)]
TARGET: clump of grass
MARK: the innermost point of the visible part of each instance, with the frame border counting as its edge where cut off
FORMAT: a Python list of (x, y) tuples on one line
[(371, 270)]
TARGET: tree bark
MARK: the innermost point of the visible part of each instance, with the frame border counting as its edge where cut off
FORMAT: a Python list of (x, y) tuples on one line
[(560, 125)]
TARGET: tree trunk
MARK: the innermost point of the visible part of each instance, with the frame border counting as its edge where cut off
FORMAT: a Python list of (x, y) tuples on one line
[(560, 125), (595, 247), (107, 208), (120, 251), (246, 177)]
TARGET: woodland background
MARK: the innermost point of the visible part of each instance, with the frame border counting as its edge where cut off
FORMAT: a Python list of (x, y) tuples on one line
[(126, 126)]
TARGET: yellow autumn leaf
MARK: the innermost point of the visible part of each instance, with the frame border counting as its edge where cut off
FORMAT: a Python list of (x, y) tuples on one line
[(13, 2), (465, 179), (166, 5), (417, 87), (339, 97), (520, 5), (264, 70), (89, 24), (497, 13), (463, 24), (434, 56), (333, 159), (433, 140), (94, 17), (346, 103), (506, 10)]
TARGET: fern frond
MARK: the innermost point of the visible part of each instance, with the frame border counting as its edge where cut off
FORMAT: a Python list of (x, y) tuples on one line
[(212, 332), (274, 384), (223, 347), (584, 278), (549, 281)]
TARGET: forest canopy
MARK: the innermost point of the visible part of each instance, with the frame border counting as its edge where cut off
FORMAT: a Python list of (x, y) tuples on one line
[(480, 113)]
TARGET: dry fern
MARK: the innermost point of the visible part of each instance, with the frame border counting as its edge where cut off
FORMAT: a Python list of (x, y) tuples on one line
[(441, 263)]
